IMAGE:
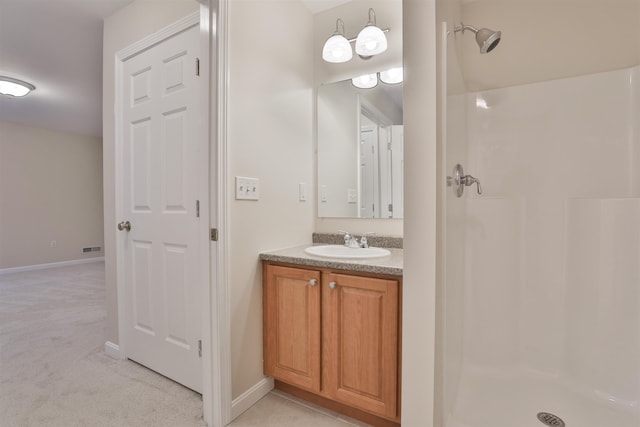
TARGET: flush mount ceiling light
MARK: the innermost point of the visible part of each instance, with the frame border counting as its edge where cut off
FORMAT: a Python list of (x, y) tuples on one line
[(14, 87), (370, 41), (392, 76), (366, 81), (337, 48)]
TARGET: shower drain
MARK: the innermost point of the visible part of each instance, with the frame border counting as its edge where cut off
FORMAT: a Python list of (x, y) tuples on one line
[(550, 419)]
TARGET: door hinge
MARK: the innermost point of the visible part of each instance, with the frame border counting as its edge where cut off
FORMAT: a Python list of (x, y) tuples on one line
[(390, 207), (199, 348), (389, 147), (214, 235), (197, 208), (197, 66)]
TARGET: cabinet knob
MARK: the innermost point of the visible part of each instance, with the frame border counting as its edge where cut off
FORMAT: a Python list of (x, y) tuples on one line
[(333, 285), (313, 282)]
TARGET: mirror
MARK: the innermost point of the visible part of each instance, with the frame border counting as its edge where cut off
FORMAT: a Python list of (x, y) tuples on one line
[(360, 151)]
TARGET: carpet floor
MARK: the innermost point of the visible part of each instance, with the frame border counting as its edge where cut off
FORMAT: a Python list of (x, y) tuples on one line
[(53, 370)]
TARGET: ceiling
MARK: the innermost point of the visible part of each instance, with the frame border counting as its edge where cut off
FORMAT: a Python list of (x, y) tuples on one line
[(55, 45), (316, 6)]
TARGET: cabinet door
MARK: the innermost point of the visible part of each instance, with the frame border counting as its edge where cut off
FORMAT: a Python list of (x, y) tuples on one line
[(360, 317), (292, 326)]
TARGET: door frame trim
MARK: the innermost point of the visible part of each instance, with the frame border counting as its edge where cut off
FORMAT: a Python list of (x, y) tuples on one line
[(217, 348), (216, 395)]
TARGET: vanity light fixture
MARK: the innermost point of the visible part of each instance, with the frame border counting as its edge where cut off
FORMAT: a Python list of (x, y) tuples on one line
[(14, 87), (366, 81), (370, 41), (392, 76), (337, 48)]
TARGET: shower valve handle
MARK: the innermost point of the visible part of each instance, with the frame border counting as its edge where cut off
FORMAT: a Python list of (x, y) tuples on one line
[(470, 180), (459, 180)]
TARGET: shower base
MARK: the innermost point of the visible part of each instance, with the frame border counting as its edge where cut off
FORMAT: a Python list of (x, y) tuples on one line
[(514, 399)]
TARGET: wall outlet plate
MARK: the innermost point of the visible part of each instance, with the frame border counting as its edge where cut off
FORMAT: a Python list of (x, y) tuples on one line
[(352, 195), (247, 188)]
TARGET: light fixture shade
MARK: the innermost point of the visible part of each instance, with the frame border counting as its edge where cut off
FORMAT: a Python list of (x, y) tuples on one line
[(366, 81), (14, 87), (337, 49), (392, 76), (371, 41)]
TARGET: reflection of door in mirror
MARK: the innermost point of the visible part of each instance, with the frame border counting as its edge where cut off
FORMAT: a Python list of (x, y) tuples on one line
[(381, 165), (368, 188), (386, 173), (397, 171), (354, 182)]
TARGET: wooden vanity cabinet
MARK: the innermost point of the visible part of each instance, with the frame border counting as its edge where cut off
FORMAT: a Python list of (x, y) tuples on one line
[(292, 326), (338, 338), (360, 342)]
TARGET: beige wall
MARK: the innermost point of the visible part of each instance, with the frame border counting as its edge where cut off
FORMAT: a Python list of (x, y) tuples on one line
[(125, 27), (270, 137), (50, 189), (545, 40), (382, 227)]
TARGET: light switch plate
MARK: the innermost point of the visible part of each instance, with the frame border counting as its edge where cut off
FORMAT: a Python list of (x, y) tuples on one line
[(323, 193), (302, 192), (247, 188)]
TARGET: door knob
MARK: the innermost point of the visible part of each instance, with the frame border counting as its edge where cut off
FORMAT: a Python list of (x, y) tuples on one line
[(124, 225), (333, 285), (313, 282)]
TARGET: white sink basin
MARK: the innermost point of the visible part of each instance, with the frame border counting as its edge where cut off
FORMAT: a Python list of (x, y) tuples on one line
[(339, 251)]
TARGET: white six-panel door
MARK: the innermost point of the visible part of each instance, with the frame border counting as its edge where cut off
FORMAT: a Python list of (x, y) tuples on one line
[(368, 171), (162, 298)]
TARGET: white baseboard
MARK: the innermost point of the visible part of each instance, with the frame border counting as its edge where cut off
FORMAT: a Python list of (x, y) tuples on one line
[(49, 265), (112, 350), (249, 398)]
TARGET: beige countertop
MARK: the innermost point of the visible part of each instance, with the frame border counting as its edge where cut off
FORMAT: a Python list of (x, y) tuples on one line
[(391, 264)]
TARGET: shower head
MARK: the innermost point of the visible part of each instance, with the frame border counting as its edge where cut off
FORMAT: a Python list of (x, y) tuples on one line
[(487, 39)]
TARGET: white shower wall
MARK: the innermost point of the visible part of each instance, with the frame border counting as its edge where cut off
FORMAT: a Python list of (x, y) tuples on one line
[(552, 256)]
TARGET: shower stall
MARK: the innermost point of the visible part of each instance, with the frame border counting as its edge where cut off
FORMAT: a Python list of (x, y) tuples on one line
[(541, 291)]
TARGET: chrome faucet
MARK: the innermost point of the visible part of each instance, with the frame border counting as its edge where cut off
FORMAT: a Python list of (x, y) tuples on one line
[(364, 243), (351, 241)]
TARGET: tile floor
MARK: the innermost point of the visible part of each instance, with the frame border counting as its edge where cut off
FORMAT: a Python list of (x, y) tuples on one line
[(278, 409)]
